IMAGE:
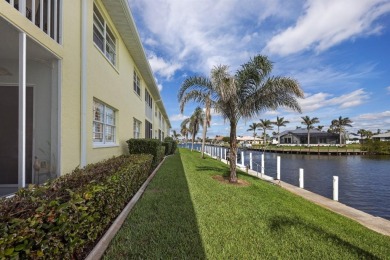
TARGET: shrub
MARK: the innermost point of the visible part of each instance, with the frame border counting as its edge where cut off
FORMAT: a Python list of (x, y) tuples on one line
[(146, 146), (168, 147), (63, 218), (173, 145), (376, 147)]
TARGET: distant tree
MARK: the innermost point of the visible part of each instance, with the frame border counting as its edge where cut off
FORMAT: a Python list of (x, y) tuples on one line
[(378, 131), (339, 125), (320, 127), (175, 135), (309, 122), (185, 129), (226, 139), (279, 123), (253, 127), (265, 124), (194, 123), (197, 89)]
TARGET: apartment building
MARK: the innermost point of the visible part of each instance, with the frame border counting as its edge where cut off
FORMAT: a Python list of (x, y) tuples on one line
[(75, 84)]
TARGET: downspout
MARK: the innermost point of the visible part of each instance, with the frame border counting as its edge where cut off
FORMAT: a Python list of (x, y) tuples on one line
[(83, 125)]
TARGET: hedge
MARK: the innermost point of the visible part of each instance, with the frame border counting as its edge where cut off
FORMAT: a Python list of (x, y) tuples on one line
[(63, 218), (168, 147), (172, 146), (147, 146)]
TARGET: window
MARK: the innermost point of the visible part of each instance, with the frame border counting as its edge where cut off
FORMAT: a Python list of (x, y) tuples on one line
[(137, 84), (103, 37), (148, 99), (148, 130), (103, 123), (136, 128)]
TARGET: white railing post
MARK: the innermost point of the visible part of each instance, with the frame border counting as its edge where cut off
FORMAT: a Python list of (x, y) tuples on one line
[(250, 161), (242, 159), (262, 164), (41, 14), (301, 178), (55, 19), (336, 188), (225, 153), (278, 167), (22, 7), (48, 18), (33, 11)]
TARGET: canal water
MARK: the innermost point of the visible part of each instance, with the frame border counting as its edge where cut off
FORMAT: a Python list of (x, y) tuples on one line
[(364, 181)]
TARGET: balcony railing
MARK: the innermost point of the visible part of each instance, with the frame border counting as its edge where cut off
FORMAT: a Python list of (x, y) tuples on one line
[(45, 14)]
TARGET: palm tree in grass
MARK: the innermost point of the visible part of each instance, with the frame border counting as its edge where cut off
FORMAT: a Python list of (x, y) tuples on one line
[(195, 121), (189, 92), (339, 125), (253, 127), (184, 130), (362, 133), (247, 93), (309, 122), (279, 123), (265, 124), (175, 135)]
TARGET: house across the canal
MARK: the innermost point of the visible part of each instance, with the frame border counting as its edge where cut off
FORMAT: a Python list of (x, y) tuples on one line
[(381, 137), (299, 136)]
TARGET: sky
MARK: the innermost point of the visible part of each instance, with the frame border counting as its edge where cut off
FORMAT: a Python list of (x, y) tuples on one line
[(338, 50)]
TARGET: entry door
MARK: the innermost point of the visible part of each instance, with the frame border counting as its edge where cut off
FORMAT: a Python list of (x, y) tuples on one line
[(9, 100)]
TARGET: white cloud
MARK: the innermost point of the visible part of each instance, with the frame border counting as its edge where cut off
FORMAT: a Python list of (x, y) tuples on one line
[(326, 23), (388, 90), (372, 121), (320, 100), (178, 117), (162, 67)]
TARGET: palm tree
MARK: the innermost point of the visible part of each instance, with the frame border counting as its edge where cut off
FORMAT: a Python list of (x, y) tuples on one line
[(339, 125), (279, 123), (320, 127), (196, 119), (253, 127), (309, 122), (184, 129), (189, 91), (175, 135), (247, 93), (266, 125)]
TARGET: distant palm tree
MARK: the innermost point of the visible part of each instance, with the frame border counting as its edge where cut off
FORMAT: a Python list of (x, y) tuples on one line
[(253, 127), (319, 127), (195, 121), (339, 125), (189, 91), (265, 124), (247, 93), (184, 129), (309, 122), (279, 123), (175, 135)]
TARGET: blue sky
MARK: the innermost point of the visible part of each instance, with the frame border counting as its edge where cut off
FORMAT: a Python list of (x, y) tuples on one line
[(338, 50)]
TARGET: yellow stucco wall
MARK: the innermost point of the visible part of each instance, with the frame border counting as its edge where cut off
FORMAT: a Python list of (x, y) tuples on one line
[(112, 85)]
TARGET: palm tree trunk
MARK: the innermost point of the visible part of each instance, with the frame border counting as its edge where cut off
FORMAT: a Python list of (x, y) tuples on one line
[(278, 136), (308, 137), (193, 140), (233, 152), (204, 136), (340, 138)]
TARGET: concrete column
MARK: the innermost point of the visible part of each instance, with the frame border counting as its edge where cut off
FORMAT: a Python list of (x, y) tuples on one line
[(262, 164), (278, 167), (22, 112)]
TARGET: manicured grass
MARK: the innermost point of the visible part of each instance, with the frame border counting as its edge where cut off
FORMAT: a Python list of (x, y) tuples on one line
[(185, 213)]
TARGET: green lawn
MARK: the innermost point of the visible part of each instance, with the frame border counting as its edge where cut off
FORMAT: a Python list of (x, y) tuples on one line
[(185, 213)]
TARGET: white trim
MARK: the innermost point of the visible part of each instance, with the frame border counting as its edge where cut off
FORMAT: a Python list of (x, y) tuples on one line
[(59, 93), (22, 112), (107, 145), (84, 49)]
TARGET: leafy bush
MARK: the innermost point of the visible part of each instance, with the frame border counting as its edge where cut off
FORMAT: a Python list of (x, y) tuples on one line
[(376, 147), (64, 218), (173, 145), (168, 147), (146, 146)]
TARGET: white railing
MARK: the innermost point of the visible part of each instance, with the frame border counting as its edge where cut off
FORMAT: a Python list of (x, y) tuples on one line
[(45, 14)]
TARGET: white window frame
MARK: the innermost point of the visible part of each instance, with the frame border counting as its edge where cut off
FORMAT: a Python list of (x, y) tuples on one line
[(108, 38), (137, 125), (136, 84), (105, 124)]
